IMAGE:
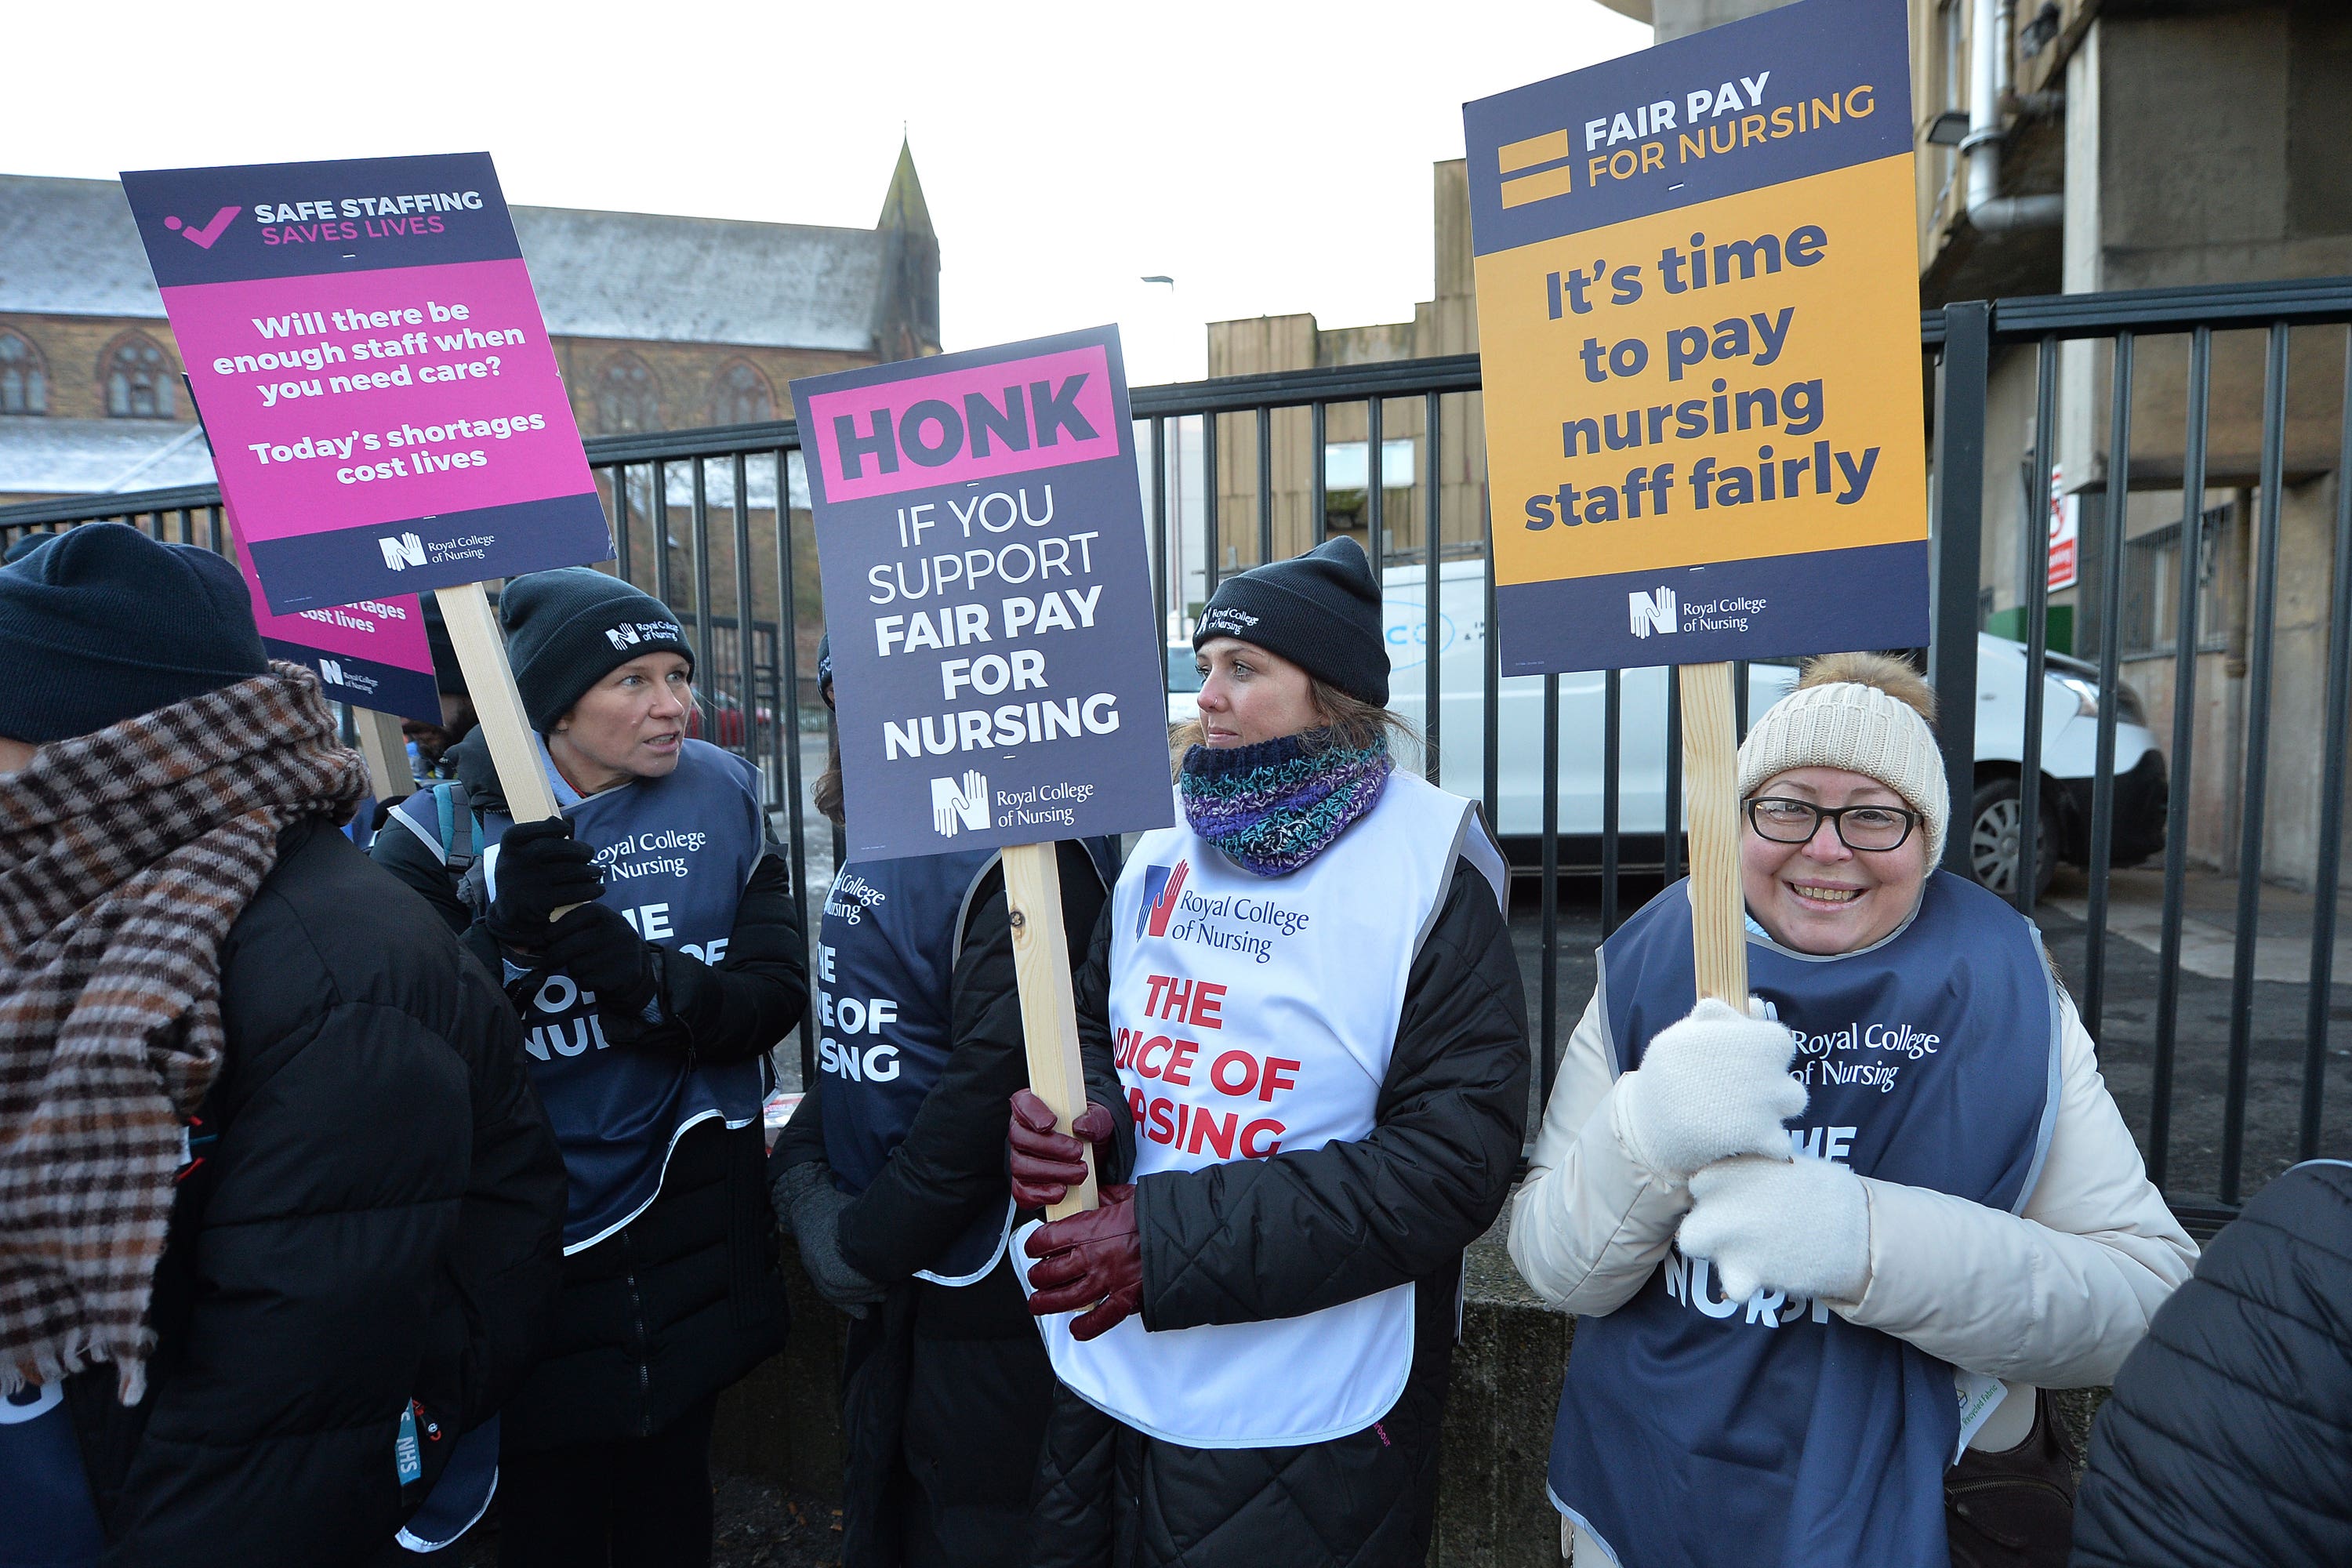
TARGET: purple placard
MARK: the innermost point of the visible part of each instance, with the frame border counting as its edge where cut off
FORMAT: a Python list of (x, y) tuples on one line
[(372, 653), (381, 400), (996, 657)]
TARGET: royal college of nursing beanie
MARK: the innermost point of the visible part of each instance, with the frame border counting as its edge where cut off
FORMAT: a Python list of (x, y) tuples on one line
[(1321, 611), (568, 629), (1846, 724), (102, 624)]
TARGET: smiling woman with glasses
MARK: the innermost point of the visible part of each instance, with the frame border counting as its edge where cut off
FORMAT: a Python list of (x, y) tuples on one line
[(1870, 827), (1819, 1247)]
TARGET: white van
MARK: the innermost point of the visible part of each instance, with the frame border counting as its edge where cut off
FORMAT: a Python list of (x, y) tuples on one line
[(2069, 739)]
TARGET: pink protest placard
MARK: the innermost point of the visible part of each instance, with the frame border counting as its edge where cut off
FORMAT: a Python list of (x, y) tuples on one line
[(372, 653), (961, 426), (376, 382)]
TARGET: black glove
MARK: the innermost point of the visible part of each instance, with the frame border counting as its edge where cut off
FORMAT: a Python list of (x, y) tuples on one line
[(595, 946), (808, 1203), (541, 868)]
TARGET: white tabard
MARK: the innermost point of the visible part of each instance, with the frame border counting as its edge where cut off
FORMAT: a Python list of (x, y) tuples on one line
[(1255, 1015)]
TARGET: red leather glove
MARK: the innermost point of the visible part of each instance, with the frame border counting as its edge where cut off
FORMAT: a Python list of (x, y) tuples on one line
[(1045, 1164), (1091, 1259)]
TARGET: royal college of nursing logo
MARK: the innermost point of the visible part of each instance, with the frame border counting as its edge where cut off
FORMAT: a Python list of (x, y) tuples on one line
[(628, 635), (401, 551), (1651, 612), (957, 804), (1163, 886)]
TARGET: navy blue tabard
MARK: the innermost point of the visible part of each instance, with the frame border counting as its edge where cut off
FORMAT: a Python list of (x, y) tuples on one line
[(676, 853), (1696, 1431), (885, 967), (46, 1519)]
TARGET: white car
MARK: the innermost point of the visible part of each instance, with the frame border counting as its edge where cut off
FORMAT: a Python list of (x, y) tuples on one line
[(2069, 740)]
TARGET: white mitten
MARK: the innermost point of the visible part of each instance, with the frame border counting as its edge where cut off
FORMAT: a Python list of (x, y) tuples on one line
[(1713, 1085), (1800, 1226)]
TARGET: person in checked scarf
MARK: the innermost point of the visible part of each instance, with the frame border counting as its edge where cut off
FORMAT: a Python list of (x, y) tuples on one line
[(279, 1213)]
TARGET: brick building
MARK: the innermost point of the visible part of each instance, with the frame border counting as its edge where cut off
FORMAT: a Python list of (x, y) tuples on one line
[(658, 324)]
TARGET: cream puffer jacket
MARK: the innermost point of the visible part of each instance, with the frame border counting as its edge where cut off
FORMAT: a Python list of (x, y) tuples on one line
[(2054, 1296)]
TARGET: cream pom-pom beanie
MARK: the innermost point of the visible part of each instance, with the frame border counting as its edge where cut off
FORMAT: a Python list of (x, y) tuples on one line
[(1866, 713)]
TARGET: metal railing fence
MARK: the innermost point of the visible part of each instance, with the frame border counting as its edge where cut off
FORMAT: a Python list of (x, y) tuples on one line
[(714, 522)]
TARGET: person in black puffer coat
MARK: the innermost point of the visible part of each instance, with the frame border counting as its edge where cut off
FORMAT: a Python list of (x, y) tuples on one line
[(2228, 1439), (1308, 998), (649, 1009), (364, 1225)]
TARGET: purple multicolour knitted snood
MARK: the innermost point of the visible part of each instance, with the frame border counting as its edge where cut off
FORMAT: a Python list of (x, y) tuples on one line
[(1274, 807)]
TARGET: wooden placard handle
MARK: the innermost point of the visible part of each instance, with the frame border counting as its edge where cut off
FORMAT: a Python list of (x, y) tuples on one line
[(1711, 778), (386, 749), (1049, 1011)]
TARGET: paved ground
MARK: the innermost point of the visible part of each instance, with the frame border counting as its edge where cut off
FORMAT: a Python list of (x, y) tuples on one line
[(758, 1527), (2209, 922)]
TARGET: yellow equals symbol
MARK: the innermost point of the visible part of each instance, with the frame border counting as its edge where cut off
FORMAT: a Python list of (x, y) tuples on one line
[(1534, 154)]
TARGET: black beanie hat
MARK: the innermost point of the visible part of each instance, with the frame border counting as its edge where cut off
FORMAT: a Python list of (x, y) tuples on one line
[(103, 623), (448, 676), (568, 629), (25, 546), (1321, 611)]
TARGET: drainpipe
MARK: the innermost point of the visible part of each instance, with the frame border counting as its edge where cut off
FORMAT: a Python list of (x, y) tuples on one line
[(1988, 211)]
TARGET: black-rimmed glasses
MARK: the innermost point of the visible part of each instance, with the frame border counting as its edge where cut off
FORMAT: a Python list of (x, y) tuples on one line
[(1871, 828)]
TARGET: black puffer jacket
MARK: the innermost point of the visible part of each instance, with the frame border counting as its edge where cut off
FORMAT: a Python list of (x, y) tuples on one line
[(1352, 1219), (377, 1218), (685, 1298), (2229, 1437), (934, 1363)]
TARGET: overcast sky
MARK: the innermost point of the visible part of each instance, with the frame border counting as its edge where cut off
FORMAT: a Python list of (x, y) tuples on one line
[(1270, 157)]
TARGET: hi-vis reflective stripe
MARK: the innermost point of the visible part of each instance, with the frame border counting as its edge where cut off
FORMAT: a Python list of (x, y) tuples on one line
[(1544, 157)]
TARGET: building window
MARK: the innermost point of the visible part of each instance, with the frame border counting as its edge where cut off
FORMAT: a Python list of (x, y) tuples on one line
[(627, 399), (2151, 608), (24, 382), (741, 396), (1347, 473), (138, 380)]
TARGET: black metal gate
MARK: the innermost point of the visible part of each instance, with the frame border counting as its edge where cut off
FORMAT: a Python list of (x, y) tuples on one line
[(2223, 1093)]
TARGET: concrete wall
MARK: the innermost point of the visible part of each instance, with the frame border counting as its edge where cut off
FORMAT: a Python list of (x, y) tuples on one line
[(1447, 324), (1676, 18), (2203, 145), (782, 1424)]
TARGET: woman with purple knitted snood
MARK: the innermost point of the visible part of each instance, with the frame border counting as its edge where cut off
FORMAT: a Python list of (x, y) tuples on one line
[(1308, 997)]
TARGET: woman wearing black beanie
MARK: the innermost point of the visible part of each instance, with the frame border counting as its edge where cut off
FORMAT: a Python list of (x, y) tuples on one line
[(1308, 997), (648, 1013)]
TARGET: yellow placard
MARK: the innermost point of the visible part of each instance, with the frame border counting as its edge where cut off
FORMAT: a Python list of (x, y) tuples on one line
[(1721, 382)]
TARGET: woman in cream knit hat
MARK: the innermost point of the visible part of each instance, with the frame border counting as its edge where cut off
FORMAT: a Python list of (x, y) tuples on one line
[(1817, 1251)]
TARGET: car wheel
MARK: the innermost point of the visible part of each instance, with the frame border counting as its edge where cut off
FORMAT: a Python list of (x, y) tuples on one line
[(1994, 823)]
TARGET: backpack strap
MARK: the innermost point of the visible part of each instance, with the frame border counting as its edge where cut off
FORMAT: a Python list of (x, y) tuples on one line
[(450, 829), (459, 832)]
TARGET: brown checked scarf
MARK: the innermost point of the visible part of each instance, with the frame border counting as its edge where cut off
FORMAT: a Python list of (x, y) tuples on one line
[(125, 855)]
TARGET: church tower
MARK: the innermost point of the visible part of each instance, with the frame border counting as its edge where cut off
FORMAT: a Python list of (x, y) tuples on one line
[(907, 305)]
